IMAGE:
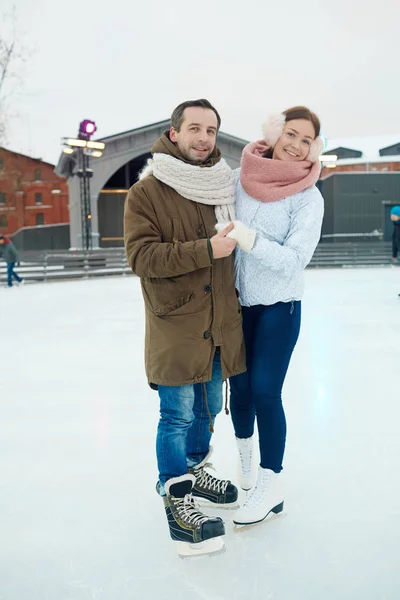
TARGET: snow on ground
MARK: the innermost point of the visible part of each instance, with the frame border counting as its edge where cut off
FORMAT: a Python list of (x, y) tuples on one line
[(79, 516)]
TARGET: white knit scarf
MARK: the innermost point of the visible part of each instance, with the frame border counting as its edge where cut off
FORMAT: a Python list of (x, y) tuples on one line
[(214, 186)]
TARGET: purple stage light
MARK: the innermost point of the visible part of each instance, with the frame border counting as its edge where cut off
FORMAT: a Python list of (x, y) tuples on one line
[(86, 129)]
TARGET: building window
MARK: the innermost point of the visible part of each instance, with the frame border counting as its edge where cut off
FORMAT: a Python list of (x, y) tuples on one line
[(2, 198), (38, 198), (1, 163), (38, 175), (3, 221), (40, 219)]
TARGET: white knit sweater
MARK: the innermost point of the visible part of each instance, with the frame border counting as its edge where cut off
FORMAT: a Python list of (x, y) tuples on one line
[(288, 232)]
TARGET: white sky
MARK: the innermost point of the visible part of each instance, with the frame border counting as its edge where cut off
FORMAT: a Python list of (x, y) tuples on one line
[(127, 64)]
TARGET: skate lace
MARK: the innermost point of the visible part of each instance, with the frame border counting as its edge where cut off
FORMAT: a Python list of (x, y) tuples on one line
[(258, 493), (208, 481), (187, 511), (246, 461)]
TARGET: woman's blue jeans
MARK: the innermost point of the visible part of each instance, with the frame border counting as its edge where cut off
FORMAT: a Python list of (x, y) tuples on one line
[(270, 334)]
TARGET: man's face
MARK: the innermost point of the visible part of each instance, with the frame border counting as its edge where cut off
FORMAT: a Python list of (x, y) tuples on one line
[(197, 136)]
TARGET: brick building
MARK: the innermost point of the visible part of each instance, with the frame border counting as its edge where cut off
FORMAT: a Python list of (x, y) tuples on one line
[(375, 154), (30, 193)]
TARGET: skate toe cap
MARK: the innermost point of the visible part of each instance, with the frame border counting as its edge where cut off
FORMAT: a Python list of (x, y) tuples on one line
[(213, 528), (231, 493)]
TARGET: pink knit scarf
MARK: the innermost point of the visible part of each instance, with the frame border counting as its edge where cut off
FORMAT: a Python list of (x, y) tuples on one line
[(269, 180)]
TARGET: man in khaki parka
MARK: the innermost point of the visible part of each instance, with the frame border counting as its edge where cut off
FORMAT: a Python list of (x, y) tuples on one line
[(193, 317)]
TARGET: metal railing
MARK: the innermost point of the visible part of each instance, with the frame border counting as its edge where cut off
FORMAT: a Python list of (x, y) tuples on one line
[(71, 265)]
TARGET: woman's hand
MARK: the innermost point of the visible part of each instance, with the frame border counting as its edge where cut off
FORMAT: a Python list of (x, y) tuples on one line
[(244, 236)]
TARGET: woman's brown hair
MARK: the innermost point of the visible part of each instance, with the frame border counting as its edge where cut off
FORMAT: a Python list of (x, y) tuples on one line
[(302, 112), (298, 112)]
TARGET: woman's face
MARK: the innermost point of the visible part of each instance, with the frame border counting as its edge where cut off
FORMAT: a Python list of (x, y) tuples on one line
[(295, 141)]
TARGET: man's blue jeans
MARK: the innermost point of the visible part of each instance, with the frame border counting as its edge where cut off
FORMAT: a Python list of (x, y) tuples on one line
[(12, 274), (183, 436)]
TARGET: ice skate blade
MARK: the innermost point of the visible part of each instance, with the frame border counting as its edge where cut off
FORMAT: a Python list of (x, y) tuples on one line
[(210, 547), (271, 516), (246, 489), (204, 503), (249, 485)]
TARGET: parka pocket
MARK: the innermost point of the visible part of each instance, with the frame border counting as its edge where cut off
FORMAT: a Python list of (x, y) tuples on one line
[(161, 298), (166, 309)]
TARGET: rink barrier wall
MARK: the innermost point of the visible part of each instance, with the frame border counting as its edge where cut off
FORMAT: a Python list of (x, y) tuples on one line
[(99, 263)]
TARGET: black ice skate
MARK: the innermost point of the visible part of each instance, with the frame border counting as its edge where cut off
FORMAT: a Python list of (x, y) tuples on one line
[(209, 490), (195, 532)]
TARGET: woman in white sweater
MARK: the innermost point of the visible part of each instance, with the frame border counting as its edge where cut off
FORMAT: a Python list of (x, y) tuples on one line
[(279, 212)]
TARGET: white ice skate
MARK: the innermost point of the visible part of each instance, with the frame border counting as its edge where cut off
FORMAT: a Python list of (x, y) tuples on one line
[(246, 471), (265, 499)]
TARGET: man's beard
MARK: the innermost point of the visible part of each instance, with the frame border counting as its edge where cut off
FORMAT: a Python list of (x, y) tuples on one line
[(195, 159)]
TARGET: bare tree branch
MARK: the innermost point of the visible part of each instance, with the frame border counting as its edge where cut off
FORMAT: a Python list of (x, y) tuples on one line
[(12, 57), (5, 59)]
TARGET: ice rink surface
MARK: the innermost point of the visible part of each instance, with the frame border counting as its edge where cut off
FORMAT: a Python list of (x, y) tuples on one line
[(79, 516)]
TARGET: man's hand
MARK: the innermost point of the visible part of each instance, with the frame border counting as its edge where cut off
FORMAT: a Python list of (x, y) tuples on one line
[(221, 245)]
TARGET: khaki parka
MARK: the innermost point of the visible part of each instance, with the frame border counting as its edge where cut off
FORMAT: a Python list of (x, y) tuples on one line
[(191, 304)]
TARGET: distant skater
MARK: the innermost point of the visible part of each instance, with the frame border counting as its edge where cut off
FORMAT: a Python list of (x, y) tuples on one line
[(9, 253), (395, 218)]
